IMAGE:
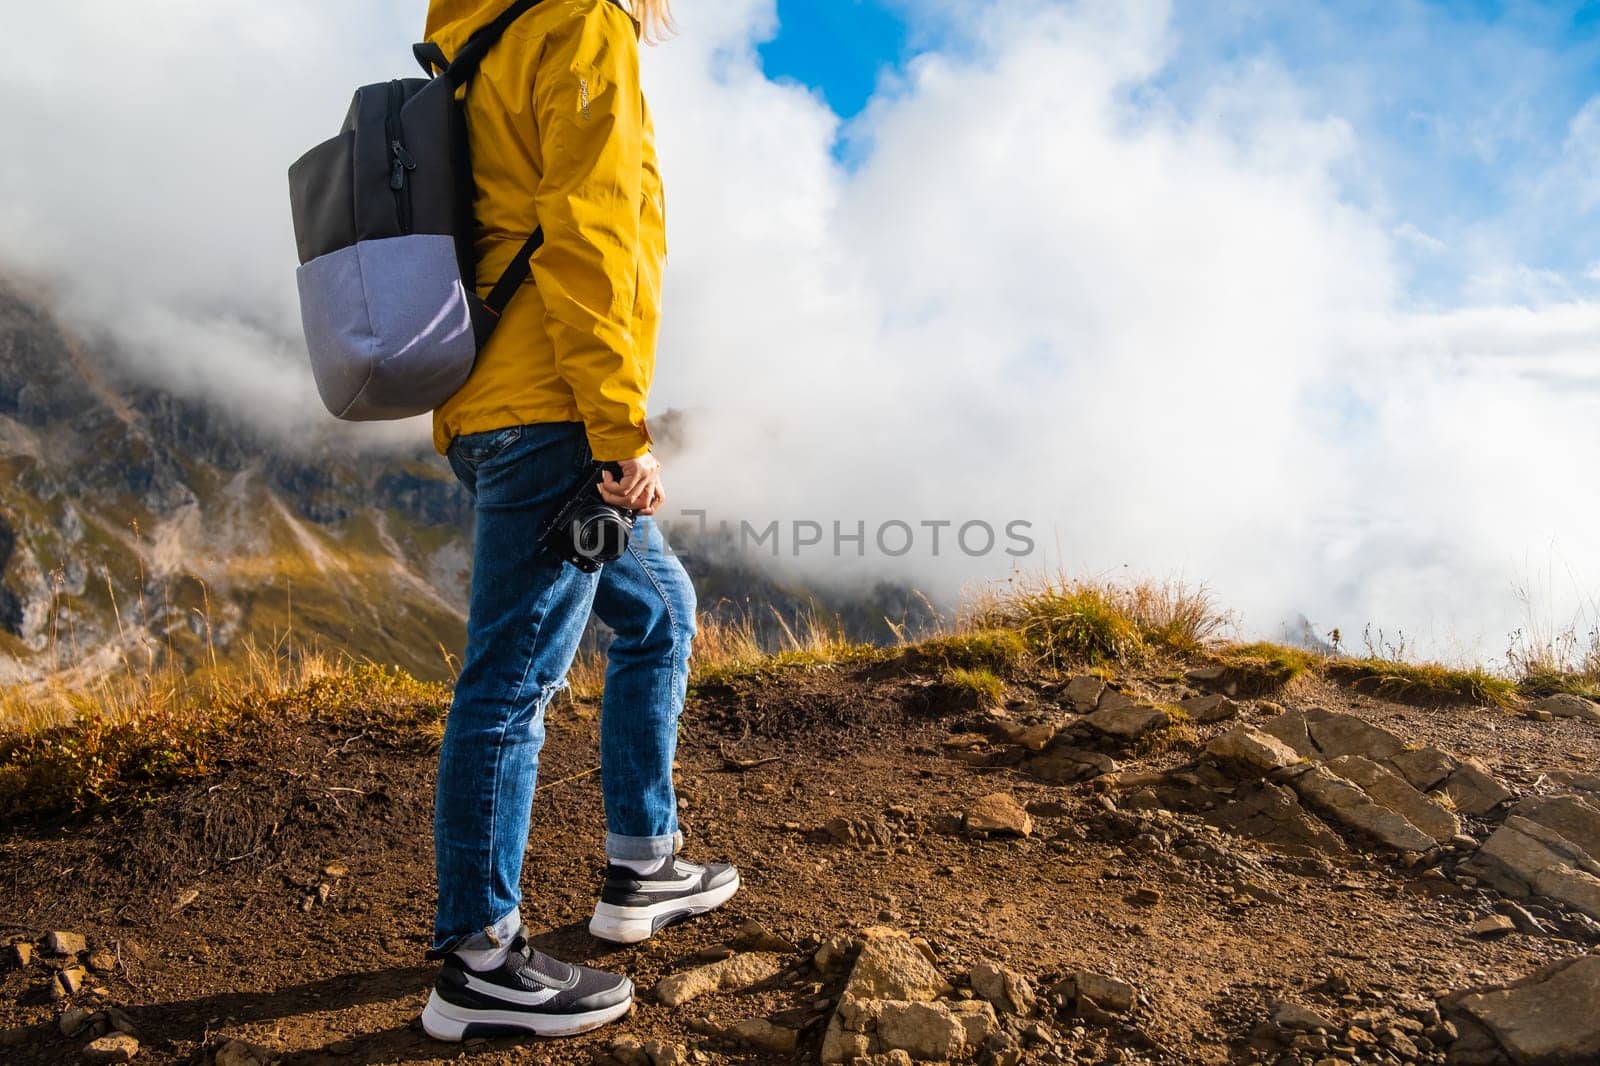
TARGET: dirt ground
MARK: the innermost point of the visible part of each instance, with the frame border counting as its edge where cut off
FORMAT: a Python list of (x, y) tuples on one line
[(210, 898)]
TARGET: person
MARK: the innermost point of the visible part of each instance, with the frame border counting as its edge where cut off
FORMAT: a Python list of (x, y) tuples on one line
[(560, 137)]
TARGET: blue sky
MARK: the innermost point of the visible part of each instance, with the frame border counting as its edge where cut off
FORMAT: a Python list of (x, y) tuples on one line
[(1461, 111)]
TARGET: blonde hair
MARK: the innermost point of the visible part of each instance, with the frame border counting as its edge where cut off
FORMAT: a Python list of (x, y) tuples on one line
[(656, 18)]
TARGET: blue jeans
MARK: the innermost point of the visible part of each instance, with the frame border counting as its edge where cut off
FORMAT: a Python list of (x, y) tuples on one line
[(527, 614)]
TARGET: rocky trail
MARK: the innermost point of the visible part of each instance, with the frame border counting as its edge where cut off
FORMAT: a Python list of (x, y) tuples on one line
[(1162, 869)]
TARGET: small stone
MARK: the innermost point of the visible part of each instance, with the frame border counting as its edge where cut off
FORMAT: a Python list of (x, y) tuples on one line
[(763, 1035), (890, 966), (998, 814), (1251, 747), (661, 1053), (753, 936), (1494, 925), (1129, 720), (69, 981), (186, 897), (833, 952), (117, 1047), (63, 943), (1568, 705), (1213, 708), (324, 890), (1008, 992), (336, 870), (1106, 992), (1291, 1015), (73, 1019), (1146, 897), (738, 972), (102, 960), (1473, 791), (21, 954), (242, 1053), (1084, 691)]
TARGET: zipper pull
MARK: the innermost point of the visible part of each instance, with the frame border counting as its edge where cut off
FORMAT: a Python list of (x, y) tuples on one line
[(402, 163)]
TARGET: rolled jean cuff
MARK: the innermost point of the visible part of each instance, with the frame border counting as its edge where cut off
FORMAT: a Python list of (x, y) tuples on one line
[(621, 847), (490, 936)]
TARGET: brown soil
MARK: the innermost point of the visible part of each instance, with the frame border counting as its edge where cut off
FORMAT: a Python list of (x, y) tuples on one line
[(254, 955)]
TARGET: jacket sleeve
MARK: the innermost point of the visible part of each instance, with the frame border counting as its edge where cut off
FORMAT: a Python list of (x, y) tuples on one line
[(589, 108)]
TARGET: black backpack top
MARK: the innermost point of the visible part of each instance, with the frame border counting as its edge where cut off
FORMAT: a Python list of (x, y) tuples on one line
[(384, 226)]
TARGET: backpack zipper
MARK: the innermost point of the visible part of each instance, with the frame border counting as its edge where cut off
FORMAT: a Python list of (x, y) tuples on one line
[(400, 160)]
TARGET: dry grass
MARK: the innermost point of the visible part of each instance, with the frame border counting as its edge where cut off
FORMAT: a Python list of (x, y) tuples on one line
[(134, 736)]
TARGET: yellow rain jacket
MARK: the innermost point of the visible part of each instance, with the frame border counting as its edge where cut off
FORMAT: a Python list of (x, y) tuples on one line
[(560, 138)]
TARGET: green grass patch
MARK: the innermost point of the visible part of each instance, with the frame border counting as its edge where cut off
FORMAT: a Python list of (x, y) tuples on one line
[(977, 688), (1074, 624), (1423, 684), (1001, 651), (1540, 683), (1263, 667), (775, 664)]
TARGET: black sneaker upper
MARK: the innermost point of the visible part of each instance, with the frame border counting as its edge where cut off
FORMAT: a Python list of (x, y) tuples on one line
[(673, 879), (530, 980)]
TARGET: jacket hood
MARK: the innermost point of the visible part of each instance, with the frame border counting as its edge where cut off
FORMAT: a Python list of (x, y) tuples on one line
[(451, 22)]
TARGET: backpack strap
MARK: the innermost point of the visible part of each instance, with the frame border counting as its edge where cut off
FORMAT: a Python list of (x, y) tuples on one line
[(515, 274), (430, 57), (460, 71)]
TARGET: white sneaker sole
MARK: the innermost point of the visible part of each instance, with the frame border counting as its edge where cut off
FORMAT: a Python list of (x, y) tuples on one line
[(446, 1021), (630, 925)]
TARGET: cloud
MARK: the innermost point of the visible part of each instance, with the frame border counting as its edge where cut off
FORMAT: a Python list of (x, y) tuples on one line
[(1144, 314)]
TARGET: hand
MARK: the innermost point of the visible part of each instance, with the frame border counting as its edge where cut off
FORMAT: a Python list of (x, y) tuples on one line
[(640, 488)]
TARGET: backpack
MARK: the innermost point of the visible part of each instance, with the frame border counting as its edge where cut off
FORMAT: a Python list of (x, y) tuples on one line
[(384, 227)]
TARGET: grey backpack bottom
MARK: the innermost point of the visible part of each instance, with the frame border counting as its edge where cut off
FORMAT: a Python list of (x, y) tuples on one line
[(389, 326)]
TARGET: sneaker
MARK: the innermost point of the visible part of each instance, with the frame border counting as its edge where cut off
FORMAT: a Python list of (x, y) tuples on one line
[(527, 993), (634, 906)]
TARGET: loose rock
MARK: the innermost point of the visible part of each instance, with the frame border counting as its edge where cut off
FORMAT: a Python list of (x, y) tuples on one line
[(243, 1053), (1213, 708), (998, 814), (1492, 926), (21, 954), (740, 971), (1545, 1019), (1107, 992), (64, 943), (1291, 1015), (115, 1047), (1084, 692), (1006, 991), (69, 981), (1128, 721), (1423, 768), (1570, 705), (763, 1035), (1345, 803), (74, 1019), (1248, 746), (1473, 790)]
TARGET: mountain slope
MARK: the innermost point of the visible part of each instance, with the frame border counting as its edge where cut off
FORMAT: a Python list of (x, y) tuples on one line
[(135, 523)]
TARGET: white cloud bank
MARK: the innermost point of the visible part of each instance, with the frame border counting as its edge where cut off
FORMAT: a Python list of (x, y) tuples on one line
[(1160, 334)]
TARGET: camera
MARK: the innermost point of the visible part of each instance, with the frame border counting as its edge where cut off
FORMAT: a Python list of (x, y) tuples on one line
[(588, 532)]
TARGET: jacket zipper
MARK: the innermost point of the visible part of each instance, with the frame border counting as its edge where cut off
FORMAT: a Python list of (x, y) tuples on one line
[(400, 160)]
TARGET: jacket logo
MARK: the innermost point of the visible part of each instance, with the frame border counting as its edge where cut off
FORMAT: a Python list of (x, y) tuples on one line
[(583, 95)]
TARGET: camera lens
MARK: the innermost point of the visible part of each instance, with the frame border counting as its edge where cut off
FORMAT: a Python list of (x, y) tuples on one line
[(601, 534)]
